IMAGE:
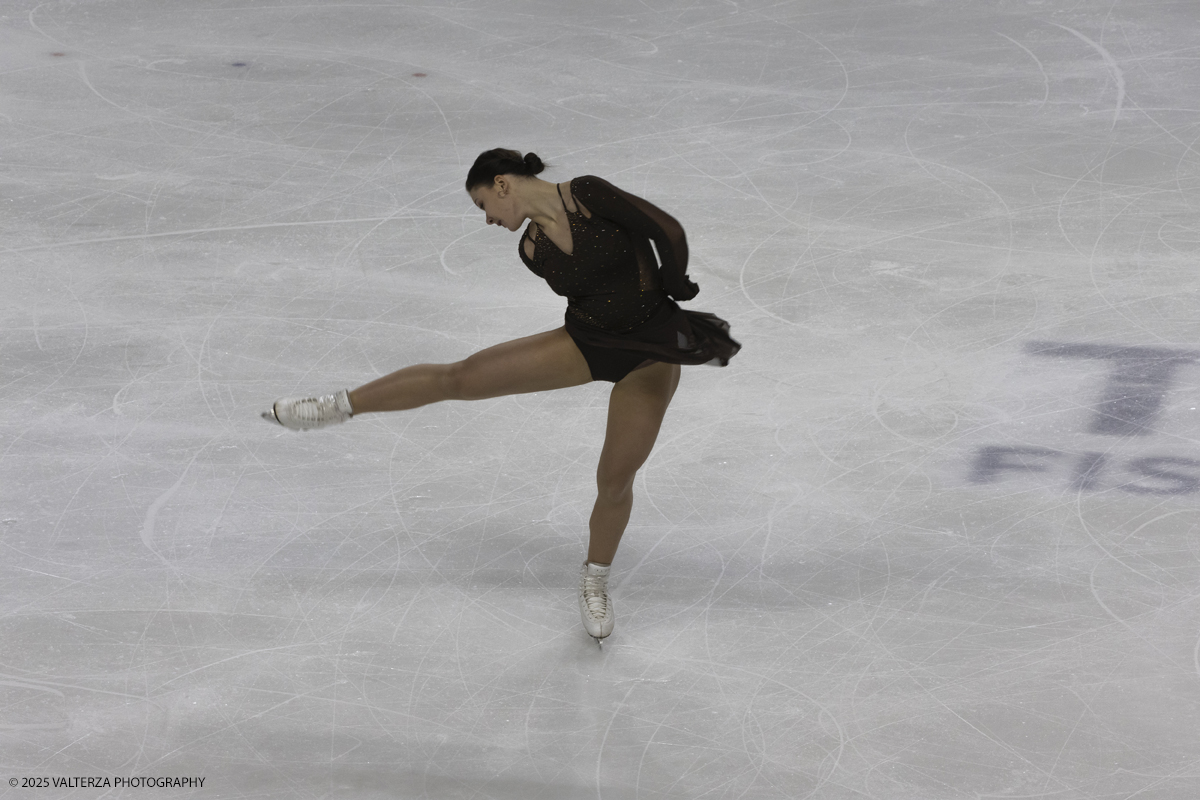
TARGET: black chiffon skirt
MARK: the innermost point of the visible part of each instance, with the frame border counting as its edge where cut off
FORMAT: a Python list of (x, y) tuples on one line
[(672, 335)]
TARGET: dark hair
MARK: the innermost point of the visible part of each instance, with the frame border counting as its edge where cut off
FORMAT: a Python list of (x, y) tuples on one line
[(502, 162)]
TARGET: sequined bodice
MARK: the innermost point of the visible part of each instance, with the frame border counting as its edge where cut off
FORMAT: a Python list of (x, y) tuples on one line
[(605, 283)]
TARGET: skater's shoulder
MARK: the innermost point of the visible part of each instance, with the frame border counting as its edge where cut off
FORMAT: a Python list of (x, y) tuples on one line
[(590, 183)]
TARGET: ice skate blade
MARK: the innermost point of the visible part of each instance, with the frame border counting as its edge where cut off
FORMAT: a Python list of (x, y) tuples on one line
[(599, 643), (269, 416)]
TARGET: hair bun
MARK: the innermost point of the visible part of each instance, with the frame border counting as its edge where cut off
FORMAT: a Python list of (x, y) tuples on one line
[(500, 161), (533, 164)]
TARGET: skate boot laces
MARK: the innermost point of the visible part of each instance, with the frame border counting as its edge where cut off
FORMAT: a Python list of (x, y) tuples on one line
[(595, 595), (595, 607)]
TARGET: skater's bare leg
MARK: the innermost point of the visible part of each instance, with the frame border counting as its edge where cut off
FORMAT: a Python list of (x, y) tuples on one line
[(635, 413), (535, 363)]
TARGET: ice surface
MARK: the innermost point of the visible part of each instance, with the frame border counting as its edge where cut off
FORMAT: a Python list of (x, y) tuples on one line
[(933, 534)]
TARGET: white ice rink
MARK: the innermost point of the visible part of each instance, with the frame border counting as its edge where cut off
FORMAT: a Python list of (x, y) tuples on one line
[(933, 535)]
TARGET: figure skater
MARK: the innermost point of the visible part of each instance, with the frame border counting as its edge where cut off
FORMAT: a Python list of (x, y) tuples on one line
[(590, 241)]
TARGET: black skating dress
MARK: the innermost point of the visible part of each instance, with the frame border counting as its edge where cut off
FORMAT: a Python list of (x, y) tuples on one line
[(620, 310)]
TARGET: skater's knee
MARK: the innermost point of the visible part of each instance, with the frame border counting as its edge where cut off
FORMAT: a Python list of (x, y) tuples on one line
[(464, 380), (614, 486), (454, 380)]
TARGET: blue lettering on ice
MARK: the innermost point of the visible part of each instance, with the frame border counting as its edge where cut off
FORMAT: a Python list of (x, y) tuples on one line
[(1136, 386)]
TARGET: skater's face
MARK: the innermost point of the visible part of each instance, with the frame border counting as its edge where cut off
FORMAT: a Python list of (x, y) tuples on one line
[(496, 201)]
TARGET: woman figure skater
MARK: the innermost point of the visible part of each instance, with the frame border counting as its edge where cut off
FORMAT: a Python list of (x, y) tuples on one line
[(590, 241)]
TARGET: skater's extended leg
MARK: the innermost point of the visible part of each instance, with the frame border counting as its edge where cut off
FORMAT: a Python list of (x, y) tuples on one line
[(535, 363), (635, 413)]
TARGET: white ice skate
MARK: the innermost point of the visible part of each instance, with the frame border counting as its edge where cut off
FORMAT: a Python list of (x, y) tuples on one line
[(594, 605), (306, 413)]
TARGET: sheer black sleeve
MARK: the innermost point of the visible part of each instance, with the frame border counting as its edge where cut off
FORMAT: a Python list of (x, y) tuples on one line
[(644, 219)]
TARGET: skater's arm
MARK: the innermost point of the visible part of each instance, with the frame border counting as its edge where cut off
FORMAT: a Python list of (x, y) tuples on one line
[(644, 219)]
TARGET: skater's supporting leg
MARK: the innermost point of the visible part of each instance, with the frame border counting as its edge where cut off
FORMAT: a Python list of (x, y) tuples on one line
[(535, 363), (635, 412)]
